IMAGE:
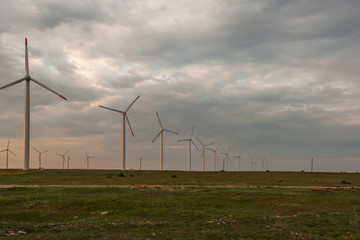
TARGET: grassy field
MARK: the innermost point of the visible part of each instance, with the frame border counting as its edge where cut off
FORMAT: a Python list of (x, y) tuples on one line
[(183, 205)]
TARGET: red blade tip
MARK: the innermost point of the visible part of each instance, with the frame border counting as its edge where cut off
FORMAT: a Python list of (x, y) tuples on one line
[(26, 41), (63, 97), (101, 106)]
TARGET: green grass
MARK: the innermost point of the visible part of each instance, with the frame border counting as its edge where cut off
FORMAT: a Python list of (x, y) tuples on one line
[(197, 212), (107, 177)]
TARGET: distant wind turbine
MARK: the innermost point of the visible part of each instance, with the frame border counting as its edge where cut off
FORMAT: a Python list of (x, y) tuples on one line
[(7, 154), (227, 158), (123, 129), (214, 156), (189, 153), (203, 152), (27, 80), (239, 157), (87, 160), (162, 129), (263, 159), (252, 162), (63, 158), (40, 153), (312, 164)]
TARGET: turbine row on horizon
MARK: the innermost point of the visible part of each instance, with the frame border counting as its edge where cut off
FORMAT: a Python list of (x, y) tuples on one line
[(125, 118)]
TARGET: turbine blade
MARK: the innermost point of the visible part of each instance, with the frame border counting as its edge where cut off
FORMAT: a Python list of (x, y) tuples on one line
[(26, 58), (86, 154), (217, 147), (46, 87), (132, 103), (112, 109), (192, 132), (159, 120), (3, 150), (45, 151), (195, 145), (36, 150), (200, 141), (209, 144), (182, 140), (157, 136), (170, 131), (66, 152), (12, 153), (8, 144), (13, 83), (127, 119)]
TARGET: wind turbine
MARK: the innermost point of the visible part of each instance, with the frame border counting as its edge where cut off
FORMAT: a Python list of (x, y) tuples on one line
[(87, 159), (27, 80), (7, 154), (263, 159), (214, 155), (190, 141), (40, 156), (239, 157), (226, 158), (312, 164), (252, 162), (63, 157), (161, 141), (203, 152), (123, 129)]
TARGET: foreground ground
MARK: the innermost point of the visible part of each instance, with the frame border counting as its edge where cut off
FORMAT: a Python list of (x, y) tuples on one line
[(178, 205)]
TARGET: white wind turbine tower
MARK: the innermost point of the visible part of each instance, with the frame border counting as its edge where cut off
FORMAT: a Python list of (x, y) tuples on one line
[(7, 154), (214, 155), (40, 153), (27, 80), (123, 129), (203, 152), (161, 141), (63, 158), (226, 158), (87, 160), (189, 153), (239, 157)]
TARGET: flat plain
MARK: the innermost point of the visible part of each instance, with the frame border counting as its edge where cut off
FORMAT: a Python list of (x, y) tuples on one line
[(113, 204)]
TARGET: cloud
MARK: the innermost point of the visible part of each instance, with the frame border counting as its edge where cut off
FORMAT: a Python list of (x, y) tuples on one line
[(271, 78)]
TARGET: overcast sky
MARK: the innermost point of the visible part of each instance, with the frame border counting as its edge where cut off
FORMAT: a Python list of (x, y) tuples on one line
[(276, 79)]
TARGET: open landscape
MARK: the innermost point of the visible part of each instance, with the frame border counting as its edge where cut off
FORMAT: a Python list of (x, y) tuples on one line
[(110, 204)]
